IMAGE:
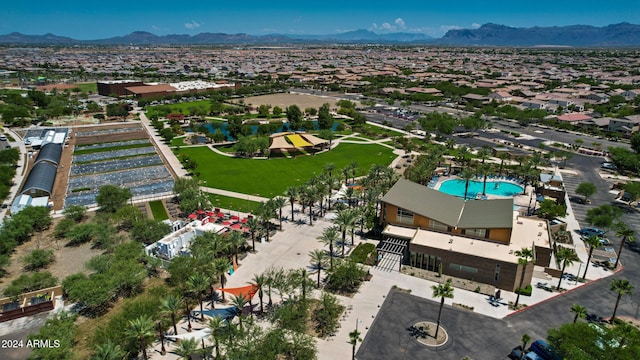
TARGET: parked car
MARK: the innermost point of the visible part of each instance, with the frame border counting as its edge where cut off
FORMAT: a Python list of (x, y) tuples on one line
[(591, 231), (516, 353), (541, 348)]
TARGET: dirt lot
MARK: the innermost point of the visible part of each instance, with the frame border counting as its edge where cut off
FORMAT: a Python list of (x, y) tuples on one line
[(68, 260), (284, 100)]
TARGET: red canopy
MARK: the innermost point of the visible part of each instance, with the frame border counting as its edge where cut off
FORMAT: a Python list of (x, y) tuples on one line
[(192, 216), (200, 211), (234, 217), (220, 215), (235, 226), (210, 213), (248, 290), (225, 223)]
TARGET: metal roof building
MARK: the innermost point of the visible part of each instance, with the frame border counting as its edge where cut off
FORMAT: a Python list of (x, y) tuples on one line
[(40, 180), (50, 152)]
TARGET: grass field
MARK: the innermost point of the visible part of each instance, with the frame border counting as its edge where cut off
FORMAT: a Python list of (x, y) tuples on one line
[(158, 211), (88, 87), (231, 203), (269, 178)]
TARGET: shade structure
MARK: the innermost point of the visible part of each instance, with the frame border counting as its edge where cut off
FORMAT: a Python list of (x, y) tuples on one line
[(192, 216), (298, 141), (234, 217), (236, 226), (226, 223), (201, 212), (224, 313), (248, 290), (220, 215), (210, 213)]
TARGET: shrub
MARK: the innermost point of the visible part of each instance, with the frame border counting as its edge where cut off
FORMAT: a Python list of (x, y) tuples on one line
[(526, 291), (38, 259), (361, 252), (26, 283)]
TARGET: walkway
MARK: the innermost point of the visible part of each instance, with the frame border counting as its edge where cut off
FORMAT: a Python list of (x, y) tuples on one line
[(233, 194), (172, 160), (21, 170)]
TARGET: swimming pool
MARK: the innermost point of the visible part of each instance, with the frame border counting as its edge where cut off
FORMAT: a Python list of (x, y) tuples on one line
[(500, 188)]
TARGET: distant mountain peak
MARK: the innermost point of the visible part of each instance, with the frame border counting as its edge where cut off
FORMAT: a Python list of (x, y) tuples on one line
[(489, 34)]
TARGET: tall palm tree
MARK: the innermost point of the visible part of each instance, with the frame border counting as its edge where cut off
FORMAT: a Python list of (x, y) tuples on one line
[(187, 304), (485, 169), (524, 255), (353, 169), (253, 225), (354, 338), (278, 203), (627, 234), (239, 302), (198, 284), (236, 240), (566, 257), (593, 242), (441, 291), (466, 175), (345, 172), (221, 266), (186, 348), (109, 351), (260, 280), (503, 156), (579, 310), (329, 237), (525, 340), (269, 278), (621, 287), (142, 330), (344, 220), (304, 280), (318, 259), (171, 305), (215, 323), (328, 168), (483, 154), (292, 193)]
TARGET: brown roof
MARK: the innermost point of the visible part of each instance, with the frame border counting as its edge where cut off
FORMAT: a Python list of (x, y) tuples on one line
[(145, 89)]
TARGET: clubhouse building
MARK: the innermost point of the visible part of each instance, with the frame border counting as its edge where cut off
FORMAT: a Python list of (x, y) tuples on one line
[(470, 239)]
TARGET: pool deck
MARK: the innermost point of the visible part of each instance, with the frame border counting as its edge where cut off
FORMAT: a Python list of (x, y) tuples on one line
[(522, 201)]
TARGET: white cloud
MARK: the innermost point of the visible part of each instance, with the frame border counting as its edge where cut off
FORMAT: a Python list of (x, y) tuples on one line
[(400, 23), (475, 25), (192, 25), (155, 28), (388, 27), (445, 28)]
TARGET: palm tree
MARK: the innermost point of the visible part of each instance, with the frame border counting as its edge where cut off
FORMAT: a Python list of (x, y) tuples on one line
[(260, 281), (525, 340), (304, 278), (579, 310), (565, 256), (593, 242), (524, 255), (269, 275), (329, 237), (278, 203), (354, 338), (109, 351), (215, 323), (466, 175), (236, 239), (328, 168), (318, 259), (253, 225), (187, 304), (171, 305), (441, 291), (186, 348), (623, 231), (622, 287), (221, 266), (239, 302), (344, 220), (503, 156), (292, 194), (142, 330), (353, 169), (484, 170), (198, 284)]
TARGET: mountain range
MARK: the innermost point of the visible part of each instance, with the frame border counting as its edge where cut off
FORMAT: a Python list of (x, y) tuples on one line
[(622, 34)]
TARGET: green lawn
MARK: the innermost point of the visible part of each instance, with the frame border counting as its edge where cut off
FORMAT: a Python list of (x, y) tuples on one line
[(179, 141), (231, 203), (269, 178), (88, 87), (158, 211)]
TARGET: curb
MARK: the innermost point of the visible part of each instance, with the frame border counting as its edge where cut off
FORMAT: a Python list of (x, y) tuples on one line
[(564, 292)]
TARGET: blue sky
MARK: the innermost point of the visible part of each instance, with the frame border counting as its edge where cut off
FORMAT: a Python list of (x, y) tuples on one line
[(101, 19)]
